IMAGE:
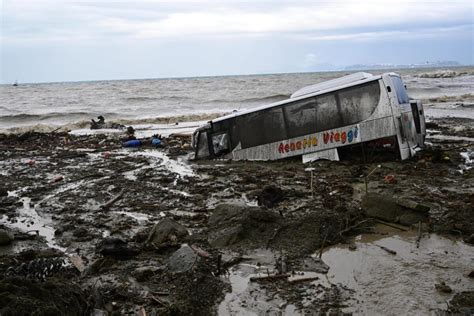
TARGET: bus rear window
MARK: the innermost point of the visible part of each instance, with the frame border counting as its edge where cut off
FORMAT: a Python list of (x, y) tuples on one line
[(400, 90)]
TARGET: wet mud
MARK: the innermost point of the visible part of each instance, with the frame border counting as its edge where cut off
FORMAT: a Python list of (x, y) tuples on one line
[(148, 231)]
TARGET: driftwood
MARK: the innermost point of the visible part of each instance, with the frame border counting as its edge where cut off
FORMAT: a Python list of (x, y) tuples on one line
[(390, 251), (348, 229), (301, 280), (111, 202), (418, 239), (161, 302), (274, 277), (399, 227)]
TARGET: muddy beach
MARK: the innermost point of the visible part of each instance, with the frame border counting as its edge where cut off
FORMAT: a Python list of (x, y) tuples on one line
[(88, 227)]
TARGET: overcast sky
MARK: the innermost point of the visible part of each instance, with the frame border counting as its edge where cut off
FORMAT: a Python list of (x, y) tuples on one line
[(71, 40)]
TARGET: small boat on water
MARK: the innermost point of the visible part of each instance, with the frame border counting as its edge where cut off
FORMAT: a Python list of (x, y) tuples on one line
[(15, 84)]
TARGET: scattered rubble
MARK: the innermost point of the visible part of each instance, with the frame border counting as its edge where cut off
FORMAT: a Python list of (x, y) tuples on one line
[(146, 231)]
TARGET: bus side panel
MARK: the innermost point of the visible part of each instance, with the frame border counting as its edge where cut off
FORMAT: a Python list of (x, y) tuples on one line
[(334, 138)]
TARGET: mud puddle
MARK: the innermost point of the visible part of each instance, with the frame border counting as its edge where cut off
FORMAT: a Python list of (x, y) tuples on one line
[(247, 298), (31, 222), (403, 283), (374, 280)]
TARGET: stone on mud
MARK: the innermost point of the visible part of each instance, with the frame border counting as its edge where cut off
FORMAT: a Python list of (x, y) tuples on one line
[(270, 196), (167, 230), (410, 218), (182, 260), (3, 192), (462, 303), (5, 238), (315, 264), (469, 239), (230, 224), (443, 287), (388, 209)]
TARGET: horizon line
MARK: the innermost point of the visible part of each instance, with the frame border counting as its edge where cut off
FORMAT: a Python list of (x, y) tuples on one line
[(402, 67)]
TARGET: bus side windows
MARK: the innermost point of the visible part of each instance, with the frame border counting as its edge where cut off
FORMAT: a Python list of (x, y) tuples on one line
[(328, 113), (358, 103)]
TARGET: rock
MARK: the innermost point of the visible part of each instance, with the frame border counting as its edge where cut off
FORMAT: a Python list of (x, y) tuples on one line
[(388, 209), (225, 236), (471, 274), (57, 178), (462, 304), (80, 232), (117, 248), (410, 218), (270, 196), (142, 274), (3, 192), (167, 231), (182, 260), (5, 238), (413, 205), (443, 288), (315, 265), (381, 207), (232, 223), (225, 212), (470, 239)]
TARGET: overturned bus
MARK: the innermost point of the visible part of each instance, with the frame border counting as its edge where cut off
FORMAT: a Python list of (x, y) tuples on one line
[(318, 120)]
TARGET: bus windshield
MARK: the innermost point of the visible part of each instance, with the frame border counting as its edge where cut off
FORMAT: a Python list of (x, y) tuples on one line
[(400, 90)]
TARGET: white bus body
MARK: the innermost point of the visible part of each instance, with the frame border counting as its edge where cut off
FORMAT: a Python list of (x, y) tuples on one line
[(318, 120)]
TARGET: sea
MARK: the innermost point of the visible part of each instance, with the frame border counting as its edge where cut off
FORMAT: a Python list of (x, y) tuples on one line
[(144, 102)]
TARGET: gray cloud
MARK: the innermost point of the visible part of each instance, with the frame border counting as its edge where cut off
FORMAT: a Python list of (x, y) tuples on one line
[(73, 20)]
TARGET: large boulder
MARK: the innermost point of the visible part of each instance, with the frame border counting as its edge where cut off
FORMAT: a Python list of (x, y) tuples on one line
[(386, 208), (232, 224), (167, 231)]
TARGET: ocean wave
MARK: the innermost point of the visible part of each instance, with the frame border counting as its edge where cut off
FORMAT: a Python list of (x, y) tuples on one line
[(170, 119), (140, 99), (161, 98), (270, 98), (84, 124), (25, 117), (275, 98), (444, 74)]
